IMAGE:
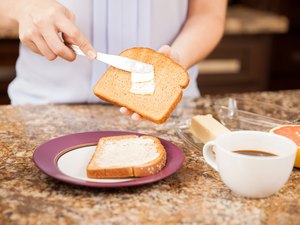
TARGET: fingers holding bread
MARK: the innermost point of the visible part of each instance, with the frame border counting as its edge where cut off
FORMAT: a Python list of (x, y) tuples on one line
[(133, 115), (168, 51)]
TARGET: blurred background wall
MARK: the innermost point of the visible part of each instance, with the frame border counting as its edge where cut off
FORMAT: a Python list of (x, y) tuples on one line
[(260, 50)]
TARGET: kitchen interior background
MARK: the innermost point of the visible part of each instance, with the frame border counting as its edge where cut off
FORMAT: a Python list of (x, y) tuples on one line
[(260, 50)]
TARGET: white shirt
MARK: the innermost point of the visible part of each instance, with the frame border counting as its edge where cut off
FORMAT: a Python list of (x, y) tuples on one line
[(112, 26)]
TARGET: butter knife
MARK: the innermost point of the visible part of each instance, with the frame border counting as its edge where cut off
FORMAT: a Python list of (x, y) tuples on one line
[(119, 62)]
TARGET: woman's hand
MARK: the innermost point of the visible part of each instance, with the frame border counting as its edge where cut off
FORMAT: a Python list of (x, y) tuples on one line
[(40, 26), (166, 50)]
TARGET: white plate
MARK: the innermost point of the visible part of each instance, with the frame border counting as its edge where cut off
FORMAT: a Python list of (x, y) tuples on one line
[(74, 164)]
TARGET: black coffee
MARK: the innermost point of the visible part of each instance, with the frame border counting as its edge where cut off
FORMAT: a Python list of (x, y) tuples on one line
[(254, 153)]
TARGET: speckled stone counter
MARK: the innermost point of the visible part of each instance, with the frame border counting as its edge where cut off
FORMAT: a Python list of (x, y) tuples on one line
[(193, 195)]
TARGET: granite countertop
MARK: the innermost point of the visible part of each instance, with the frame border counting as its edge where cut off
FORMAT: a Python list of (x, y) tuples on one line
[(193, 195), (240, 20)]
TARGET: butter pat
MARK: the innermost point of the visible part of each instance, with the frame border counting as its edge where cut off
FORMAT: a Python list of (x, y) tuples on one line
[(141, 77), (143, 88), (142, 83), (206, 128)]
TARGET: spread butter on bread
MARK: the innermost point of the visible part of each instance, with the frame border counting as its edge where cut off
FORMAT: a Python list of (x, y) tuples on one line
[(127, 156), (170, 79)]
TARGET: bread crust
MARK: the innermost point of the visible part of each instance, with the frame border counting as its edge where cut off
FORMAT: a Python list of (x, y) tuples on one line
[(170, 79), (152, 167)]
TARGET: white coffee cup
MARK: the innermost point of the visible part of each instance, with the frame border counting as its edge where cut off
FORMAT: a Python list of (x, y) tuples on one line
[(251, 176)]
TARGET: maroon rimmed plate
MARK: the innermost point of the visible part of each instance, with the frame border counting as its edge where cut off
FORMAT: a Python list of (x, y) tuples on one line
[(65, 158)]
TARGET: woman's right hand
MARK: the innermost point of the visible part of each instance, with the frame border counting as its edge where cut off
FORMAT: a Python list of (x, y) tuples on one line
[(40, 26)]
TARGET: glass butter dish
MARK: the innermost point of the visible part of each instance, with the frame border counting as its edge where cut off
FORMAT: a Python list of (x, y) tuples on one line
[(242, 114)]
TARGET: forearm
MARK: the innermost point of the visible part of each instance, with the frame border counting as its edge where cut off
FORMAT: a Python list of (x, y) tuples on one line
[(10, 10), (7, 15), (202, 31), (8, 19), (6, 9)]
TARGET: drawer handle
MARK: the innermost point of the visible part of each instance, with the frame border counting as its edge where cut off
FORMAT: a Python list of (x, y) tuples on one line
[(220, 66)]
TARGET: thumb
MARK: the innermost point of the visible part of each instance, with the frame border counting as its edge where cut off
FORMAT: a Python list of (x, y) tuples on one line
[(168, 51)]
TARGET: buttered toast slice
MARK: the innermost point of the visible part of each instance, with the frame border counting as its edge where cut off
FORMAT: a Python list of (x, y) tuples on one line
[(169, 80), (127, 156)]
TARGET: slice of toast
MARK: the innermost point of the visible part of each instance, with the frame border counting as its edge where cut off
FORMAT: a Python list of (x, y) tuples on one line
[(169, 77), (127, 156)]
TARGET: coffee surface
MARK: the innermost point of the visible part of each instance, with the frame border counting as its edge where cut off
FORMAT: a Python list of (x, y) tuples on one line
[(254, 153)]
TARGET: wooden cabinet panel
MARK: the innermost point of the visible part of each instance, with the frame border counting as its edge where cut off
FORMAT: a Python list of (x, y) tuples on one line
[(285, 67), (286, 54), (9, 50), (251, 54)]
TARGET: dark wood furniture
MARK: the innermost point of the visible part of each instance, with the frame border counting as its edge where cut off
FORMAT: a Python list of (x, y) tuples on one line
[(9, 50), (244, 62)]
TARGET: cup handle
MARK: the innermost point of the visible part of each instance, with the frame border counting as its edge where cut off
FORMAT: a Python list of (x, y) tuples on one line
[(209, 155)]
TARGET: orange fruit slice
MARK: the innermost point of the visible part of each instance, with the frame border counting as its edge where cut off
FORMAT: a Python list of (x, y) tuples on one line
[(292, 132)]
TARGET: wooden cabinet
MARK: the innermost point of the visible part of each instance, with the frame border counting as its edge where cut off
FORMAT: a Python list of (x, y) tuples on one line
[(285, 62), (239, 63), (9, 50)]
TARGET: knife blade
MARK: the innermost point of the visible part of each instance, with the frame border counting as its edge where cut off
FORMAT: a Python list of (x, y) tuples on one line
[(119, 62)]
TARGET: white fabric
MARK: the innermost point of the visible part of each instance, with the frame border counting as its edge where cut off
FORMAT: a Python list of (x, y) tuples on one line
[(112, 26)]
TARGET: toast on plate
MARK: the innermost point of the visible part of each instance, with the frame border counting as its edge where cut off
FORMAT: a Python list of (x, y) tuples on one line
[(127, 156)]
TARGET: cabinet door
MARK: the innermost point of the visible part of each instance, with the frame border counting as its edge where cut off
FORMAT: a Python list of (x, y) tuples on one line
[(285, 69), (9, 50), (239, 63)]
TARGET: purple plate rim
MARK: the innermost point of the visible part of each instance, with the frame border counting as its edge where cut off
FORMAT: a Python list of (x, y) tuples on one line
[(46, 155)]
